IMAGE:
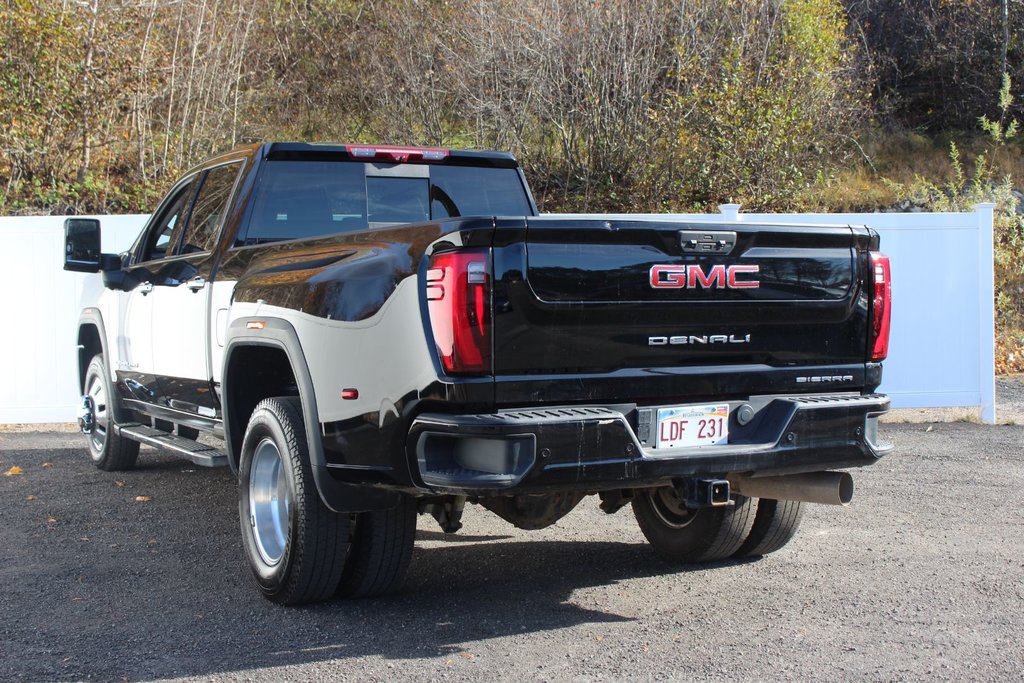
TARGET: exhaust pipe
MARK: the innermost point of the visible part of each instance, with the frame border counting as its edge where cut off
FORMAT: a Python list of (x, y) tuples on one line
[(828, 488)]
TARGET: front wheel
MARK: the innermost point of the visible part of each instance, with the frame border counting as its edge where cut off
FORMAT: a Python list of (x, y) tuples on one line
[(294, 544), (683, 535), (109, 451)]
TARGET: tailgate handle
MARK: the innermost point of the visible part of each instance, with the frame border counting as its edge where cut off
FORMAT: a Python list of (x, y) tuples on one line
[(706, 242)]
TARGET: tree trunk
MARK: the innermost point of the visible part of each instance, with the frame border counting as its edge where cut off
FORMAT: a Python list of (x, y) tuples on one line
[(90, 37)]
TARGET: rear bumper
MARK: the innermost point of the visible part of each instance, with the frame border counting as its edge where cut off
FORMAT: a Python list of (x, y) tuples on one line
[(601, 448)]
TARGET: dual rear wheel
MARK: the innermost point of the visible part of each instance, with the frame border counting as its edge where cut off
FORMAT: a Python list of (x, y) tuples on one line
[(298, 549), (750, 527)]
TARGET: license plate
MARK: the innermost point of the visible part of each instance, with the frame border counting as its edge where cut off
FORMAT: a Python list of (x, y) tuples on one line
[(693, 426)]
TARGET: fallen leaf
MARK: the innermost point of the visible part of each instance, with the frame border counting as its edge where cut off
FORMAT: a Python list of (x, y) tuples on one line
[(142, 499), (119, 483), (599, 638), (30, 497), (47, 465), (51, 519), (13, 471)]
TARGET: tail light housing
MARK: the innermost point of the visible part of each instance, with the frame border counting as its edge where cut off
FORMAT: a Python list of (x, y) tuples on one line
[(458, 289), (881, 305)]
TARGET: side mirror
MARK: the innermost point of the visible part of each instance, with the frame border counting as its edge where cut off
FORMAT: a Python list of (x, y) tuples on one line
[(82, 245)]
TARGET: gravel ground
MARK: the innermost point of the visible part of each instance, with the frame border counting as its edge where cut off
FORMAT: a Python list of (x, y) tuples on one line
[(139, 575)]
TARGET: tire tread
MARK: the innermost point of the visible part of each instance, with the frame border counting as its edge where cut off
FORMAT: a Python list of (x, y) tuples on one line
[(381, 549), (714, 535), (319, 545), (774, 526), (119, 452)]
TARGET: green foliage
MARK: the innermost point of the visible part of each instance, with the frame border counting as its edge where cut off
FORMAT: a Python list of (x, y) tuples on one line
[(1001, 130), (38, 78), (762, 120)]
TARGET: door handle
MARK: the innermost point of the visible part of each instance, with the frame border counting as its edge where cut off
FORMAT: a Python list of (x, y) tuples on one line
[(146, 288), (196, 283)]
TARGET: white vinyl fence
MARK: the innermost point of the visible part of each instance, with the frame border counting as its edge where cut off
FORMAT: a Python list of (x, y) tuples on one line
[(941, 352), (39, 382)]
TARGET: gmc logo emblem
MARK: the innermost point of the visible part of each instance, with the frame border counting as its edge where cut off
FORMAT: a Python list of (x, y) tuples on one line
[(691, 277)]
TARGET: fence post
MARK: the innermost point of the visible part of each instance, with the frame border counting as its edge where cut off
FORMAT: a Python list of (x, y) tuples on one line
[(986, 311), (730, 212)]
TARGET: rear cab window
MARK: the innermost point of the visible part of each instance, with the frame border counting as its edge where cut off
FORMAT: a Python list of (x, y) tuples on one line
[(298, 198), (209, 207)]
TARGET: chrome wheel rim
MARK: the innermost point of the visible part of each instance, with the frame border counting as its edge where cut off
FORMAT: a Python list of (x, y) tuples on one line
[(96, 390), (669, 510), (269, 502)]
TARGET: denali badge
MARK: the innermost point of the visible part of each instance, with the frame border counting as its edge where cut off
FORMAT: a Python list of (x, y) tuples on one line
[(699, 339), (693, 276)]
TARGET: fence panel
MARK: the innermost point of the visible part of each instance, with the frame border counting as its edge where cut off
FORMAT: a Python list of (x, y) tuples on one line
[(941, 352), (38, 350)]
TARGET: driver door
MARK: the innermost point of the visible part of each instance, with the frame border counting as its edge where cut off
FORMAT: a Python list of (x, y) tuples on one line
[(136, 371)]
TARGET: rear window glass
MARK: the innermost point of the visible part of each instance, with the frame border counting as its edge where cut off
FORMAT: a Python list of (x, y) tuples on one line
[(397, 200), (296, 199), (467, 191), (299, 199)]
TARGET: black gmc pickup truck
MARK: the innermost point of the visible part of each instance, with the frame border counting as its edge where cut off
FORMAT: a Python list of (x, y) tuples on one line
[(368, 333)]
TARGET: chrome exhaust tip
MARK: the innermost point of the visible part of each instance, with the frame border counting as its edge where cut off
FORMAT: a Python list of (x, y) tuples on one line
[(827, 488)]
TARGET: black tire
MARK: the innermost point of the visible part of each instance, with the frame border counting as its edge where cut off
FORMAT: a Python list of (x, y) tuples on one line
[(300, 558), (109, 451), (381, 546), (775, 524), (680, 535)]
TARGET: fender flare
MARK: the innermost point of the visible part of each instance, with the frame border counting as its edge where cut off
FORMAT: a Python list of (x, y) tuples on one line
[(93, 316), (280, 334)]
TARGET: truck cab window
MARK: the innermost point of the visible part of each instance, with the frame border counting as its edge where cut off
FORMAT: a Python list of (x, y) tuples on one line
[(397, 200), (467, 191), (297, 199), (208, 210), (168, 224)]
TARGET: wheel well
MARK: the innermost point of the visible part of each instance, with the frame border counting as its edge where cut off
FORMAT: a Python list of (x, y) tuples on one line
[(89, 345), (253, 373)]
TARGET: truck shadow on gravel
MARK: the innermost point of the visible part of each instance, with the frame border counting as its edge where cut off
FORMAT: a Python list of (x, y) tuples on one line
[(117, 588)]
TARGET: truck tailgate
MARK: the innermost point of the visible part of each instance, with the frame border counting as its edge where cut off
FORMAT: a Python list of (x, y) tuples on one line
[(640, 297)]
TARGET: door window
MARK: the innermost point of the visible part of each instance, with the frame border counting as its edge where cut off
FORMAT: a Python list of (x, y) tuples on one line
[(208, 209), (168, 224)]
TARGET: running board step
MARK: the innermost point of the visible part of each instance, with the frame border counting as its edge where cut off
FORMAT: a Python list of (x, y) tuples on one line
[(198, 453)]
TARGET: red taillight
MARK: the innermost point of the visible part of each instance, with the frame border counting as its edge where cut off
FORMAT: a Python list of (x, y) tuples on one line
[(459, 301), (881, 305), (399, 155)]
